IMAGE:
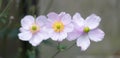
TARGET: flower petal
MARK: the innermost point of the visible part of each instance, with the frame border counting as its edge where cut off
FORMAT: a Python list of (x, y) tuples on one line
[(41, 20), (96, 35), (73, 35), (36, 40), (25, 36), (78, 20), (58, 36), (27, 21), (92, 21), (69, 28), (83, 42), (22, 29), (44, 33), (61, 15), (66, 19), (53, 16)]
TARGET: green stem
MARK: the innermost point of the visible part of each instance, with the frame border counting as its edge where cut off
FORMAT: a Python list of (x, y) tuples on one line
[(55, 54), (58, 51), (70, 47)]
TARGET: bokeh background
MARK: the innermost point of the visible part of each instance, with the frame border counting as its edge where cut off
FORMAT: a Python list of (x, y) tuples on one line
[(12, 11)]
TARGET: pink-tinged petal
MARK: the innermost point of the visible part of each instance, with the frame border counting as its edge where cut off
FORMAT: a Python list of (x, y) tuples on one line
[(37, 39), (62, 36), (41, 20), (44, 33), (49, 30), (66, 19), (27, 21), (69, 28), (58, 36), (96, 35), (78, 20), (53, 16), (92, 21), (61, 15), (49, 23), (83, 42), (54, 36), (73, 35), (25, 36)]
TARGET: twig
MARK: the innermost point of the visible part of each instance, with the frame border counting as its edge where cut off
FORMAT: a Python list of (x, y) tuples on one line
[(56, 54), (58, 51), (70, 46)]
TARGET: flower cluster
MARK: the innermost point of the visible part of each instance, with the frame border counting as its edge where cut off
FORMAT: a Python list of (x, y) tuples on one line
[(61, 26)]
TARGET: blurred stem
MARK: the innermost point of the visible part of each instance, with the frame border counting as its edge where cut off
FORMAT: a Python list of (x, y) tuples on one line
[(56, 54), (5, 29), (58, 50), (6, 8), (70, 47), (48, 7)]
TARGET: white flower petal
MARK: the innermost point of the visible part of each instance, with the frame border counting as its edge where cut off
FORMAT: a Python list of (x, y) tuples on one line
[(61, 14), (78, 20), (36, 39), (22, 29), (27, 21), (69, 28), (92, 21), (96, 35), (44, 33), (73, 35), (53, 16), (58, 36), (66, 19), (62, 36), (41, 20), (83, 42), (25, 36)]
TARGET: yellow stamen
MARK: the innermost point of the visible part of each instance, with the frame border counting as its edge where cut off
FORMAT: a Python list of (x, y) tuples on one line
[(58, 26), (34, 28), (86, 29)]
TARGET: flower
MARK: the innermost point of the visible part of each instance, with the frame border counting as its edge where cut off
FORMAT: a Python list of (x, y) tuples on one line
[(33, 30), (59, 25), (86, 30)]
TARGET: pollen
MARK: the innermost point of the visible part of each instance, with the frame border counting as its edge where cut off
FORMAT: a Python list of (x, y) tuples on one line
[(58, 26), (34, 28), (86, 29)]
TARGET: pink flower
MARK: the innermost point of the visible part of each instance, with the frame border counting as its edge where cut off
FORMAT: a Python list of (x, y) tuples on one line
[(33, 30), (86, 30), (59, 25)]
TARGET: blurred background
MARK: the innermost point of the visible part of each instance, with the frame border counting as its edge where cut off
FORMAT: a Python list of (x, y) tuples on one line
[(12, 11)]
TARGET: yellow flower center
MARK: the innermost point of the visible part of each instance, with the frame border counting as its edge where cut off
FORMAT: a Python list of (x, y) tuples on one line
[(58, 26), (34, 28), (86, 29)]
